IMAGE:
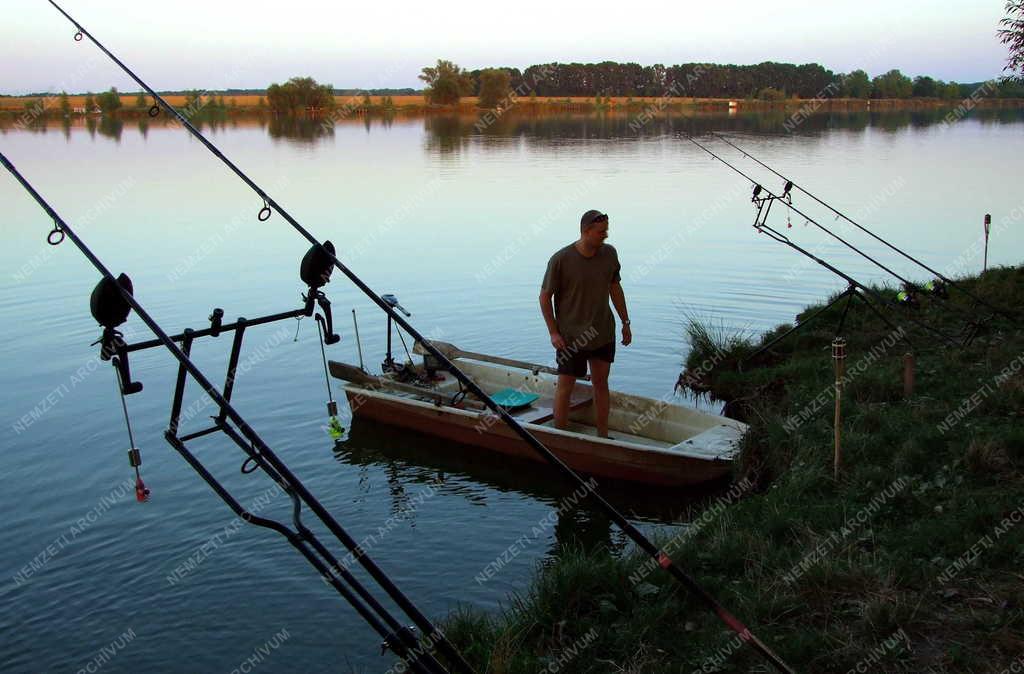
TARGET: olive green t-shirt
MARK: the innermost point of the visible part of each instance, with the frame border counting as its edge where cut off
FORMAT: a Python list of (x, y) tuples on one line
[(580, 286)]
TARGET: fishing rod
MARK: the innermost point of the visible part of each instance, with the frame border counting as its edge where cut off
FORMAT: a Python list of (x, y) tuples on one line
[(854, 290), (645, 544), (112, 301), (905, 254), (770, 198), (911, 290)]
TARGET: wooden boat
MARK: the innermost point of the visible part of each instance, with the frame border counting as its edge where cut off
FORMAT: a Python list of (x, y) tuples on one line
[(652, 441)]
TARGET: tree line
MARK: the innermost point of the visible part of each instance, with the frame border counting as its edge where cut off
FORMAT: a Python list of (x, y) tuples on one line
[(446, 82)]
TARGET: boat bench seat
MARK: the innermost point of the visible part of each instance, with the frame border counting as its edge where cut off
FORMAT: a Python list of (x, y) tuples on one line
[(545, 412)]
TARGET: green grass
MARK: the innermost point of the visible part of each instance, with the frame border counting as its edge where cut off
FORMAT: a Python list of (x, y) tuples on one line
[(927, 491)]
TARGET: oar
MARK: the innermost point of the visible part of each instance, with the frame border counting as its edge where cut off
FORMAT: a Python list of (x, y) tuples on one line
[(355, 375), (451, 352)]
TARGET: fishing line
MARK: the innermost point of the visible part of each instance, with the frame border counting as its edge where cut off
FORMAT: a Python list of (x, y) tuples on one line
[(399, 637), (334, 427), (134, 455), (910, 291), (407, 354), (639, 538), (806, 217), (758, 188), (840, 214)]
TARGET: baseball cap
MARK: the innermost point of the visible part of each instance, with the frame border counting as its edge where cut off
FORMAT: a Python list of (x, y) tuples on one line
[(592, 216)]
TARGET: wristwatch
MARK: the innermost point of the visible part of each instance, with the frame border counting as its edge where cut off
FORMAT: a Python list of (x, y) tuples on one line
[(625, 322)]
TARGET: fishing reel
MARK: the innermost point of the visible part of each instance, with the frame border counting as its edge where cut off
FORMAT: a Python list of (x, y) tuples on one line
[(759, 201), (315, 272), (907, 296), (111, 309), (937, 288), (763, 204)]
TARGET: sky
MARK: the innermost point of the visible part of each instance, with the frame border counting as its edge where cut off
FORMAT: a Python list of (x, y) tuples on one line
[(217, 44)]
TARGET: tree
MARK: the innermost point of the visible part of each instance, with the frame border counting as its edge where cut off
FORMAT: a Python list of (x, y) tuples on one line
[(856, 84), (90, 103), (446, 83), (109, 101), (1013, 37), (140, 101), (65, 104), (771, 94), (1011, 88), (194, 99), (298, 94), (925, 87), (893, 84), (950, 91), (495, 85)]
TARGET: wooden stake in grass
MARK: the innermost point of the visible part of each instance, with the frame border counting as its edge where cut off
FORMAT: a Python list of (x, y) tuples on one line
[(908, 375), (839, 358), (988, 226)]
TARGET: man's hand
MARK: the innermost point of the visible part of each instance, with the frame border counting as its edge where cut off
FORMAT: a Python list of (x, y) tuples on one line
[(557, 341), (627, 335)]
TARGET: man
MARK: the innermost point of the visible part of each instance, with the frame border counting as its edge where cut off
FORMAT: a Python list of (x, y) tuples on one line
[(580, 278)]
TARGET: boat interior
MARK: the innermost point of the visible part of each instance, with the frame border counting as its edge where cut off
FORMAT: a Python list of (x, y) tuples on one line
[(632, 419)]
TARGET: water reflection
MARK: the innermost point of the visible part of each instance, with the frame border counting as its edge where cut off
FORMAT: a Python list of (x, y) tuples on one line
[(451, 134), (410, 458), (448, 134), (304, 129), (111, 127)]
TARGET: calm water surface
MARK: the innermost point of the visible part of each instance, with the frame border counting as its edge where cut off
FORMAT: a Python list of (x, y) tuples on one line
[(459, 223)]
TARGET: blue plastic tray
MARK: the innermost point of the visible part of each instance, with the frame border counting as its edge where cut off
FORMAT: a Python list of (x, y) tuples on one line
[(510, 398)]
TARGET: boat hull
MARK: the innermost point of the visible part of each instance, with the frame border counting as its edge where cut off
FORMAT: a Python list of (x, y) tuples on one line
[(587, 454)]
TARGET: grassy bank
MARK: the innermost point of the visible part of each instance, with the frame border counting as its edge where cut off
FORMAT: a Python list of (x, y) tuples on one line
[(910, 561)]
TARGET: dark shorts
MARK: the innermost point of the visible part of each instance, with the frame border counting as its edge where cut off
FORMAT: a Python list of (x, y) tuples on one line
[(574, 362)]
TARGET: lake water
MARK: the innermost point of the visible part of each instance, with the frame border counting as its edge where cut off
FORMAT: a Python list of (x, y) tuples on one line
[(458, 222)]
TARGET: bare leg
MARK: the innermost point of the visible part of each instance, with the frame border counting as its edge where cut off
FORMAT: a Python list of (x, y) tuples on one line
[(563, 392), (599, 370)]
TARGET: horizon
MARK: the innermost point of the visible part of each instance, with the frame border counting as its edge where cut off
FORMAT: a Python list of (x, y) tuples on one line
[(250, 50), (354, 90), (418, 90)]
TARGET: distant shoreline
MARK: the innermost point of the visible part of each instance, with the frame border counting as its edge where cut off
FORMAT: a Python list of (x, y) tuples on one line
[(349, 105)]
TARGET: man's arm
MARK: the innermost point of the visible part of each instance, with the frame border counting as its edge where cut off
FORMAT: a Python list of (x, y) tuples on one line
[(549, 318), (619, 302)]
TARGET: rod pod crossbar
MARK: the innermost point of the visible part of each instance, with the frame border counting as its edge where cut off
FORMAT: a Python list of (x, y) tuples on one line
[(939, 275), (764, 204), (395, 635), (672, 567)]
